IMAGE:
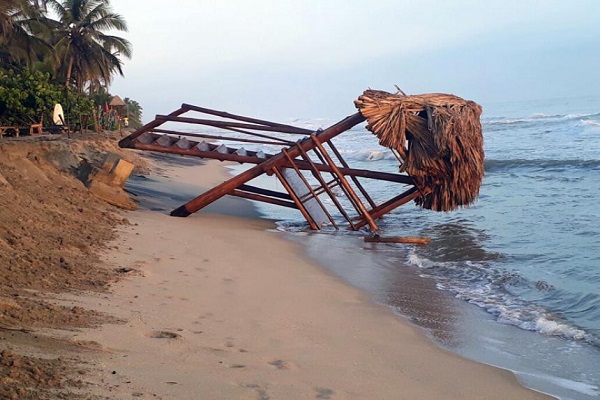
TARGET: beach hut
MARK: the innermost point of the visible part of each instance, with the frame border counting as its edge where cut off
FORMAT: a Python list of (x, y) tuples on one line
[(437, 139), (116, 103)]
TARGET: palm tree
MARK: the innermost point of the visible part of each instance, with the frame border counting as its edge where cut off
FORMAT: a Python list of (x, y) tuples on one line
[(40, 4), (134, 112), (8, 10), (86, 52), (20, 24)]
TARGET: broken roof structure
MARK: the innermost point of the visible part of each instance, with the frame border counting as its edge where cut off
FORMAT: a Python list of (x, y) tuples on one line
[(437, 139)]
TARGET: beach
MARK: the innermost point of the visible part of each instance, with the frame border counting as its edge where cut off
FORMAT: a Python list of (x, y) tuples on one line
[(217, 306), (416, 220)]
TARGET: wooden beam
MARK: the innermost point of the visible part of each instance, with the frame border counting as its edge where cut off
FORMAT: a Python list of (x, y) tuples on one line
[(264, 199), (268, 165), (128, 141), (224, 114)]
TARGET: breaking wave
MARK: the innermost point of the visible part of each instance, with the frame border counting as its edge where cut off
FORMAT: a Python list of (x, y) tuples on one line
[(536, 118), (501, 165), (493, 290)]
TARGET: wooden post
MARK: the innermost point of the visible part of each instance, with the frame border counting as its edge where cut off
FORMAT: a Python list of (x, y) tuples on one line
[(301, 207), (351, 194), (268, 165), (389, 205)]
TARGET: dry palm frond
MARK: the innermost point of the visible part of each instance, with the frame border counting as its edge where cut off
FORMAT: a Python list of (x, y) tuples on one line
[(439, 138)]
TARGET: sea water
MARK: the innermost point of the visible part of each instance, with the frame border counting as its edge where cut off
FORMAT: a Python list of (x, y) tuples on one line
[(523, 262), (512, 281)]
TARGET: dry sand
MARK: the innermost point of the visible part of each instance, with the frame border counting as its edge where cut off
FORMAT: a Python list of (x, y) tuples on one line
[(218, 307), (51, 230)]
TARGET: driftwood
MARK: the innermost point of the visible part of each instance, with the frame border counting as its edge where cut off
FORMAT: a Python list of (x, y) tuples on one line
[(405, 240), (438, 138)]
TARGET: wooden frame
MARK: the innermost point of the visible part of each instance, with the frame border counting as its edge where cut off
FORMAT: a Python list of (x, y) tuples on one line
[(302, 151)]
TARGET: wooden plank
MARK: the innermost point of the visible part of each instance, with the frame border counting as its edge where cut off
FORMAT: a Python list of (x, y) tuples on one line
[(264, 199), (268, 165), (224, 114), (406, 240), (313, 205)]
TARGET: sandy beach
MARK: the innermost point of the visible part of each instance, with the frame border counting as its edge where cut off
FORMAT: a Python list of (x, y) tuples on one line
[(219, 307)]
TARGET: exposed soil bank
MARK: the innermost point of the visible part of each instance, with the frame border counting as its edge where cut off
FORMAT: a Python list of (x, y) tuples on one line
[(51, 232)]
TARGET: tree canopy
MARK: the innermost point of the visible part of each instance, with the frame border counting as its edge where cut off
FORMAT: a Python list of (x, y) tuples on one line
[(70, 38), (59, 51)]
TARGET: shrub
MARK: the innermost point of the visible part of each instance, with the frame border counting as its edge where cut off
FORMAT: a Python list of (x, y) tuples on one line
[(27, 96)]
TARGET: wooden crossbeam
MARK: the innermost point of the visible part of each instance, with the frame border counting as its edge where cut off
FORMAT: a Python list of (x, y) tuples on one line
[(307, 154)]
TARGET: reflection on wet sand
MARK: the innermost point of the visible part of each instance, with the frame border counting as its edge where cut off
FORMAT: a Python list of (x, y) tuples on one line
[(378, 269)]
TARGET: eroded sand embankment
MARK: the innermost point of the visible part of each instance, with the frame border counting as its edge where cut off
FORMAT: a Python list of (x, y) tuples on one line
[(51, 232)]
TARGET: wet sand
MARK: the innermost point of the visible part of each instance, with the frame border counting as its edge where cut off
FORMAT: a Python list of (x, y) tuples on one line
[(218, 307)]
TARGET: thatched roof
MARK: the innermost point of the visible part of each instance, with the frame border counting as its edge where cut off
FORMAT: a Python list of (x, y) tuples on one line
[(439, 139), (116, 101)]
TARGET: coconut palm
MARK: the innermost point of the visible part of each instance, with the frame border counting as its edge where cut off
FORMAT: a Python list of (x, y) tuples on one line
[(85, 51), (8, 11), (40, 4), (20, 33), (134, 112)]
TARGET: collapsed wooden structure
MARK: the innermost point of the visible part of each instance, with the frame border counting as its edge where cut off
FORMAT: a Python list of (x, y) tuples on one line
[(436, 138)]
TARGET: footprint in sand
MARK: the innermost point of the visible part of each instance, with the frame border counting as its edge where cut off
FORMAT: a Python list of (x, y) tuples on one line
[(164, 335), (260, 391), (324, 393), (281, 364)]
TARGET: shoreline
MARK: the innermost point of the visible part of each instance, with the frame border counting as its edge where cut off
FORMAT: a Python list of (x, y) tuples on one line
[(219, 306)]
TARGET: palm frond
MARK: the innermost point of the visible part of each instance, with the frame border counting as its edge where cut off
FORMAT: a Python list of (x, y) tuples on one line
[(439, 139)]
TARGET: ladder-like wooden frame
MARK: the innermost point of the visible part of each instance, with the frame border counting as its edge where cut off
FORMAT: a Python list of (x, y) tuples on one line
[(312, 153)]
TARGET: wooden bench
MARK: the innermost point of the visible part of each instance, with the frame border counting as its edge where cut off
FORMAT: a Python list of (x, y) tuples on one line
[(3, 129), (36, 128)]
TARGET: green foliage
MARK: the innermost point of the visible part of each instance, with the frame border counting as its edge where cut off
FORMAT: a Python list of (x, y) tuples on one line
[(52, 51), (134, 113), (27, 96), (88, 55), (78, 47), (101, 98)]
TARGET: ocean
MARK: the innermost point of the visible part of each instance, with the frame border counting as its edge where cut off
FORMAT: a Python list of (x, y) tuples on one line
[(522, 265), (512, 281)]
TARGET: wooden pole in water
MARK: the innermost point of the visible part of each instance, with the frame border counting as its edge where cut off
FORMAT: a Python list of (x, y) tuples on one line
[(268, 165), (391, 204), (406, 240), (347, 188)]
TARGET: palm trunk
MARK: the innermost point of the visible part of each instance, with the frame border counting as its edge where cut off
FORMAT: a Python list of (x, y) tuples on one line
[(69, 70)]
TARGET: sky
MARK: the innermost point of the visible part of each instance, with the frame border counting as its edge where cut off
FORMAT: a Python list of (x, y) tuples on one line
[(284, 59)]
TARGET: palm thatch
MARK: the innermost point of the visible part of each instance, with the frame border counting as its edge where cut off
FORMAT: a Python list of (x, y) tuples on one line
[(116, 101), (438, 138)]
